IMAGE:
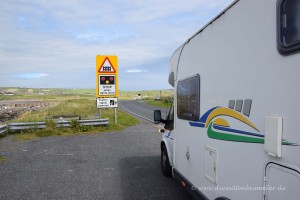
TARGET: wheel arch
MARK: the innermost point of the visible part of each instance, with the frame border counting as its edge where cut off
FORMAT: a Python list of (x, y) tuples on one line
[(164, 144)]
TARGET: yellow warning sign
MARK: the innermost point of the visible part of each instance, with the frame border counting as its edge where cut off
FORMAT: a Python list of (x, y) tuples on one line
[(106, 76)]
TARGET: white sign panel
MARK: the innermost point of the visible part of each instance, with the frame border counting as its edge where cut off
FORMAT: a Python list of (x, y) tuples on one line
[(107, 102), (107, 85)]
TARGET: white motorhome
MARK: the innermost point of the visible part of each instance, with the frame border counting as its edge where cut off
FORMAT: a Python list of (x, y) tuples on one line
[(233, 132)]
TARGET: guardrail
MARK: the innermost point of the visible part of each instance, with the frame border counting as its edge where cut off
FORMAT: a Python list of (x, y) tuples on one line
[(64, 123), (25, 126), (3, 129), (86, 122), (40, 125), (93, 122)]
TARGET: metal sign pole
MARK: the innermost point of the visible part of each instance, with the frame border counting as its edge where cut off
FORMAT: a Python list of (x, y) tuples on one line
[(99, 113), (115, 115)]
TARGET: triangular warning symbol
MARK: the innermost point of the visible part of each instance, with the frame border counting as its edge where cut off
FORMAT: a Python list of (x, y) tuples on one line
[(106, 67)]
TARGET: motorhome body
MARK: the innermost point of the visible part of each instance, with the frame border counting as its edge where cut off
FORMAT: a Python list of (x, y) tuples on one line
[(236, 105)]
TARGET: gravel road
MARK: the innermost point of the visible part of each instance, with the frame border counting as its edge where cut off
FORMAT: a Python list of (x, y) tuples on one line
[(110, 166)]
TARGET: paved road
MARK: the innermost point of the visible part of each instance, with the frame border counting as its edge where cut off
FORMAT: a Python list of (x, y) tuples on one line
[(109, 166), (141, 109)]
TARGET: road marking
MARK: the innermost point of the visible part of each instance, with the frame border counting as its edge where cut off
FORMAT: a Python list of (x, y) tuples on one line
[(137, 114)]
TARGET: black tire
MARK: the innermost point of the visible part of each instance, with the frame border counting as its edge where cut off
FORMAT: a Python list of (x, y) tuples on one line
[(165, 164)]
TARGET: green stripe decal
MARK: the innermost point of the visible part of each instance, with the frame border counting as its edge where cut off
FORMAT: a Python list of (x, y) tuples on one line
[(289, 143), (230, 137)]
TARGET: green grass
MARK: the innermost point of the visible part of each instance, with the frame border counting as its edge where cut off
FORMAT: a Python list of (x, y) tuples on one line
[(123, 121), (162, 104), (2, 158), (129, 95), (53, 94), (46, 94), (85, 108), (80, 102)]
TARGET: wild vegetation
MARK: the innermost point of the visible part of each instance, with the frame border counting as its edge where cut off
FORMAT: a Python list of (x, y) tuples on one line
[(145, 94), (51, 94), (67, 103), (63, 95), (124, 120), (84, 108), (76, 103), (164, 102)]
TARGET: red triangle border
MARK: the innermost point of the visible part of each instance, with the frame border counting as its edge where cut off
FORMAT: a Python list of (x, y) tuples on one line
[(106, 58)]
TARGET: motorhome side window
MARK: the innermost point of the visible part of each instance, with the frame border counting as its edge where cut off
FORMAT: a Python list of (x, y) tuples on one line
[(170, 119), (288, 26), (188, 98)]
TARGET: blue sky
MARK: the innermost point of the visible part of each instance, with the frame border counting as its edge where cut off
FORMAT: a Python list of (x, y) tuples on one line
[(53, 43)]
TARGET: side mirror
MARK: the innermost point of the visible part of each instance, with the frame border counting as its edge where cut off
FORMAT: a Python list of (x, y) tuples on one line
[(157, 116)]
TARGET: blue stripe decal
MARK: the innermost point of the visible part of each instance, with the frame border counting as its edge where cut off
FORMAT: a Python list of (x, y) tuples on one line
[(222, 128), (197, 124), (169, 137), (204, 117)]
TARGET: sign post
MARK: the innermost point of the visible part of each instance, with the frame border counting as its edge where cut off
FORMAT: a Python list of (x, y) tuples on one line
[(107, 83)]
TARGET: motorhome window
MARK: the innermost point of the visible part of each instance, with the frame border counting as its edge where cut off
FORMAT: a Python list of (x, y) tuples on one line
[(288, 26), (239, 105), (247, 107), (188, 98), (170, 120), (231, 104)]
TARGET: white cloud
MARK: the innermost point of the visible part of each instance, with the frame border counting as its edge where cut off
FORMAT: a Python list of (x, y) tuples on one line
[(89, 36), (31, 75), (135, 71), (62, 38), (143, 11)]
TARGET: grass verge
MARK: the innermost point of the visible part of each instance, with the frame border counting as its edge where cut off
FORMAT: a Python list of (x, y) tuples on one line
[(163, 104), (123, 121), (85, 108)]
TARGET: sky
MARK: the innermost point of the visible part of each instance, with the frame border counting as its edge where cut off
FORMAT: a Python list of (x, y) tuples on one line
[(54, 43)]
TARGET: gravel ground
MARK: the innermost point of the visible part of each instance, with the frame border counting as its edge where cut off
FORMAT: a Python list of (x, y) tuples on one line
[(117, 165)]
